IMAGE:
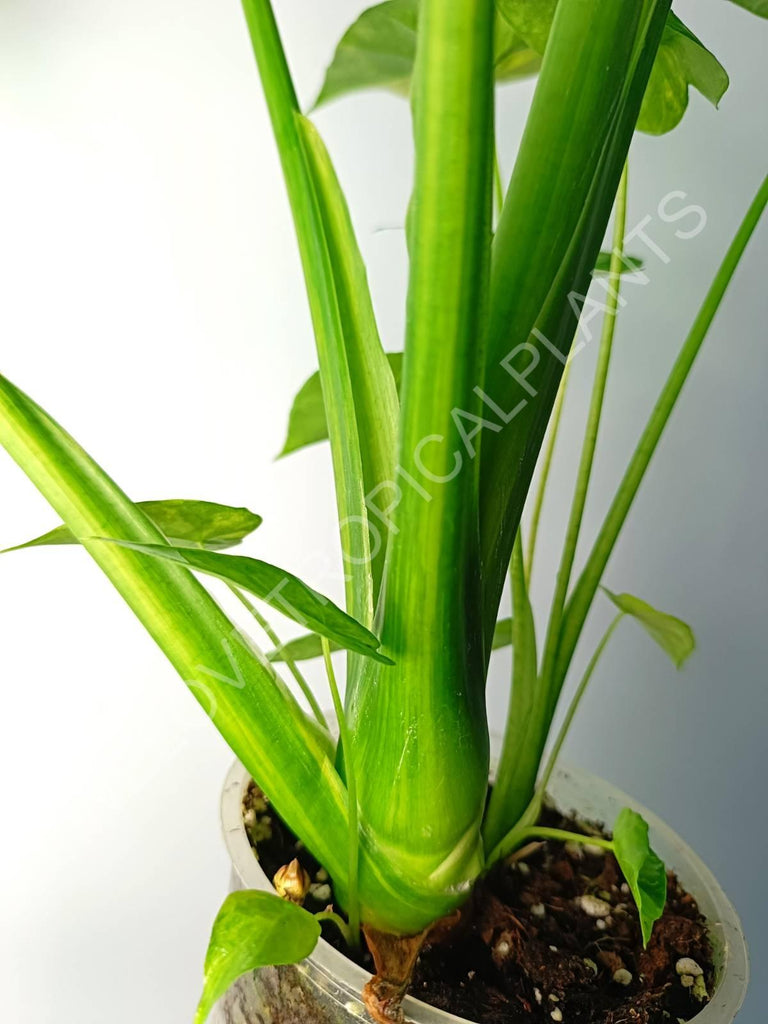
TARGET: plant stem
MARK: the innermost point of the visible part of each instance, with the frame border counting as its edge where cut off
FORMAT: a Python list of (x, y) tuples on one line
[(289, 661), (590, 439), (516, 775), (560, 835), (584, 592), (498, 183), (353, 901), (350, 937), (546, 466), (575, 703)]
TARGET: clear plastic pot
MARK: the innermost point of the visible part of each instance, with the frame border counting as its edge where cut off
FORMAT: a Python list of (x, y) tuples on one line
[(325, 989)]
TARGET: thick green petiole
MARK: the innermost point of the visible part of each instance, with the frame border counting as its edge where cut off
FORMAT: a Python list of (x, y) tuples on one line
[(353, 894)]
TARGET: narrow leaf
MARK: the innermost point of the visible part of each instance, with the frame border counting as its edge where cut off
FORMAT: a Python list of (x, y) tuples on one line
[(304, 648), (671, 634), (378, 51), (253, 930), (307, 423), (277, 588), (247, 702), (324, 302), (644, 871), (376, 404), (683, 61), (181, 522)]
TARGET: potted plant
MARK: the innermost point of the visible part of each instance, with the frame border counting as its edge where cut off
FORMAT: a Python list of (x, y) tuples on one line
[(434, 452)]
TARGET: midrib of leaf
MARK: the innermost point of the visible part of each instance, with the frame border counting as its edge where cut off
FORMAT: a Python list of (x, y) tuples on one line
[(431, 626), (324, 306)]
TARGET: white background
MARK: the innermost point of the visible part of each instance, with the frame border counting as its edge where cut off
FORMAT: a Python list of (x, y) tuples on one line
[(151, 300)]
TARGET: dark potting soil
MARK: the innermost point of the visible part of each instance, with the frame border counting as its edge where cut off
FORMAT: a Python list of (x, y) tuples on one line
[(551, 937)]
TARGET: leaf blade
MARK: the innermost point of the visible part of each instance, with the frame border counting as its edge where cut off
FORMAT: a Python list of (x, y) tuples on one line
[(379, 49), (683, 61), (674, 636), (278, 588), (253, 930), (304, 648), (643, 869), (180, 520), (248, 703)]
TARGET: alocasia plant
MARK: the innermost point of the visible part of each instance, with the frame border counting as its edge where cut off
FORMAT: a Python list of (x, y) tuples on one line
[(433, 454)]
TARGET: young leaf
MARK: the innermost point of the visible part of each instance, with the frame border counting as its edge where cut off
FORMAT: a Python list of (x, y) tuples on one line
[(252, 930), (181, 521), (644, 871), (671, 634), (683, 61), (379, 49), (307, 423), (303, 648), (278, 588)]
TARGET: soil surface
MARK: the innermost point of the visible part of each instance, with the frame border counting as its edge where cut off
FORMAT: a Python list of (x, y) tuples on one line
[(551, 937)]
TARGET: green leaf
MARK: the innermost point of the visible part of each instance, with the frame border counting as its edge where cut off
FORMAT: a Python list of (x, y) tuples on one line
[(374, 391), (671, 634), (758, 7), (277, 588), (253, 930), (304, 648), (378, 51), (531, 19), (629, 264), (181, 522), (248, 703), (307, 423), (311, 219), (682, 61), (644, 871)]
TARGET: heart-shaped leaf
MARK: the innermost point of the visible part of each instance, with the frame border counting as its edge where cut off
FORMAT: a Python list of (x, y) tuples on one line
[(671, 634), (643, 869), (683, 61), (253, 930), (183, 522), (278, 588), (378, 50)]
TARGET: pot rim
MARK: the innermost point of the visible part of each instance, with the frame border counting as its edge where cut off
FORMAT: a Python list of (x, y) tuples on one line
[(568, 783)]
